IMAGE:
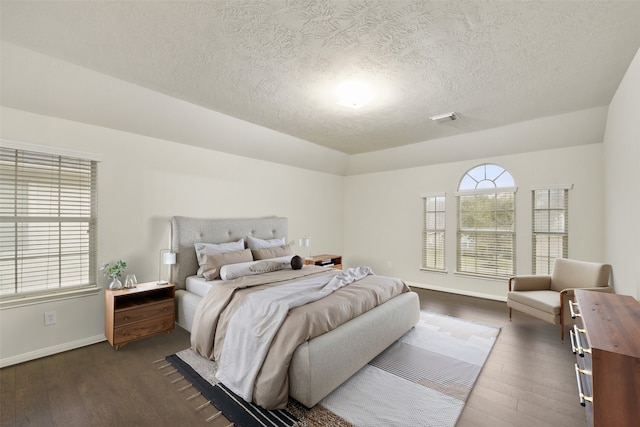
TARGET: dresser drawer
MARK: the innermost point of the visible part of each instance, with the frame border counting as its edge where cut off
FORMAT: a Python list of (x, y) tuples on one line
[(137, 330), (143, 312)]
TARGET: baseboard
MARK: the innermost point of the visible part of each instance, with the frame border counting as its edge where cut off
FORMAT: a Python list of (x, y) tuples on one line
[(43, 352), (457, 291)]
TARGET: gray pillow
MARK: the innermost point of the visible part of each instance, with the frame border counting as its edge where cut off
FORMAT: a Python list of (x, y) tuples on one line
[(203, 249), (274, 252)]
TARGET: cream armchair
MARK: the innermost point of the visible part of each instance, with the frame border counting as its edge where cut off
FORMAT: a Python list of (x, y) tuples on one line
[(547, 297)]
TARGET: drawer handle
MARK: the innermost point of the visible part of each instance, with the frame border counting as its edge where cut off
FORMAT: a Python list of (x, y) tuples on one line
[(583, 398), (574, 314), (576, 346)]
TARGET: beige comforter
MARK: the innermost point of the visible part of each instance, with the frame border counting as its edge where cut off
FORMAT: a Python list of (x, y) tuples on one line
[(271, 389)]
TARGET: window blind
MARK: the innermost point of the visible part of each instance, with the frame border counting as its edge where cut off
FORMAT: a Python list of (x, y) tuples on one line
[(47, 222), (433, 234), (486, 234), (550, 227)]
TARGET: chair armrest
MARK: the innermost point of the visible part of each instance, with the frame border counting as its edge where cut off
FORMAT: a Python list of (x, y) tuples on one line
[(530, 283), (571, 291)]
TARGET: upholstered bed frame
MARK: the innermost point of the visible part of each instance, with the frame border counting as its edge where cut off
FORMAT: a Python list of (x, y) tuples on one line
[(321, 364)]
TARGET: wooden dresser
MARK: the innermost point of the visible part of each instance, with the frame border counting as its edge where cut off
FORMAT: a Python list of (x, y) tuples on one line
[(133, 314), (606, 341)]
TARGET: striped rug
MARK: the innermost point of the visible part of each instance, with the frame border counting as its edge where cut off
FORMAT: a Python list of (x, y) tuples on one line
[(423, 379)]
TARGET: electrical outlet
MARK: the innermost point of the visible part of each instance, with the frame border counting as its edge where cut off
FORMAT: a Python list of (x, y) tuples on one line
[(49, 318)]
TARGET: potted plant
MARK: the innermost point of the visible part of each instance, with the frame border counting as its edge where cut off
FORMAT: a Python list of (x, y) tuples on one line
[(114, 272)]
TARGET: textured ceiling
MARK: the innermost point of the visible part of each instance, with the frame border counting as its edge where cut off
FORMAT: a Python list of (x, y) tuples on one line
[(277, 63)]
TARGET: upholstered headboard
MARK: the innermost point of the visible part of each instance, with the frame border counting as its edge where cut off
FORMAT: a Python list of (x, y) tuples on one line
[(186, 231)]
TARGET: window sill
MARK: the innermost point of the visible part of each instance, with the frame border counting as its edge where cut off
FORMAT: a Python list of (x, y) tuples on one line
[(482, 276), (25, 300), (433, 270)]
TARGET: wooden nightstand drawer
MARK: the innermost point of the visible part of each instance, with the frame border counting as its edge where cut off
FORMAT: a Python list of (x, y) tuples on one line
[(137, 330), (135, 314)]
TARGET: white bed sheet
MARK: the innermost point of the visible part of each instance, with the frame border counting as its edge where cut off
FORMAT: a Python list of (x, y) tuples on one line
[(199, 285)]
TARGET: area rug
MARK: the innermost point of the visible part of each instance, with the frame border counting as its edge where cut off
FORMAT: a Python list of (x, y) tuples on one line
[(423, 379)]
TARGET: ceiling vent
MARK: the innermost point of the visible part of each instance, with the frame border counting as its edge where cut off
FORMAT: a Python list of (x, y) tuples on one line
[(444, 117)]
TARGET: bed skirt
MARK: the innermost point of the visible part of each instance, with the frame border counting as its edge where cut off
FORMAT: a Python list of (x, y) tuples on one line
[(319, 366)]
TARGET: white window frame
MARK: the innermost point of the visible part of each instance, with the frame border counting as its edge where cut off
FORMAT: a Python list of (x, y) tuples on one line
[(60, 216), (434, 232), (549, 224)]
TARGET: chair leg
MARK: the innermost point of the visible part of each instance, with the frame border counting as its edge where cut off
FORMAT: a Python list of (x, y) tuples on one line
[(509, 314), (562, 330)]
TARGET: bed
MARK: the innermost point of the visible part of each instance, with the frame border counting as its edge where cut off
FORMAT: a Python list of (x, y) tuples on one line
[(313, 372)]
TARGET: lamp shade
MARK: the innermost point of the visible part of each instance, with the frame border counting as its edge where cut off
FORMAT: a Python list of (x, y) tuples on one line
[(169, 258), (304, 242)]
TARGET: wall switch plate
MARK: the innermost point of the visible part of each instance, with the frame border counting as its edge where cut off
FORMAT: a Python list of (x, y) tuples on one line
[(49, 318)]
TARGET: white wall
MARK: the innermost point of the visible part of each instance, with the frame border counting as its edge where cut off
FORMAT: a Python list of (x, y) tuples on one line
[(562, 130), (622, 183), (142, 182), (383, 214)]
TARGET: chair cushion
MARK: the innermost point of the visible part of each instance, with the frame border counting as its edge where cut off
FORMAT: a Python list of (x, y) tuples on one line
[(547, 301), (569, 273)]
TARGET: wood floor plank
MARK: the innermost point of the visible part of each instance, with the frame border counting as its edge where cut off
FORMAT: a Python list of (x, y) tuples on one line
[(502, 398), (32, 400), (558, 418), (473, 417), (7, 396), (499, 414), (65, 400)]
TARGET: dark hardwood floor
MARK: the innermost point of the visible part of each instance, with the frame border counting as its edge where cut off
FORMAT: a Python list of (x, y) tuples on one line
[(528, 379)]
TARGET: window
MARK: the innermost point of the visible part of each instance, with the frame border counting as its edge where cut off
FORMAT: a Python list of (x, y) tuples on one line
[(486, 222), (550, 227), (47, 221), (433, 232)]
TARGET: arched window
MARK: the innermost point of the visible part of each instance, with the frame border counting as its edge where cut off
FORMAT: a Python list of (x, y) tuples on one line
[(486, 176), (486, 222)]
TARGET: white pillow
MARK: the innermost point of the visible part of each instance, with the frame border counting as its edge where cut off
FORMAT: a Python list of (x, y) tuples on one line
[(268, 266), (203, 249), (255, 243), (233, 271)]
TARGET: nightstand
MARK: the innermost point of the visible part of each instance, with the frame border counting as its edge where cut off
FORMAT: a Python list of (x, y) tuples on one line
[(133, 314), (325, 260)]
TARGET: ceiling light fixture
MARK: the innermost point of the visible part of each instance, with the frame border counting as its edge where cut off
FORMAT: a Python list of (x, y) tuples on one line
[(353, 94), (444, 117)]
